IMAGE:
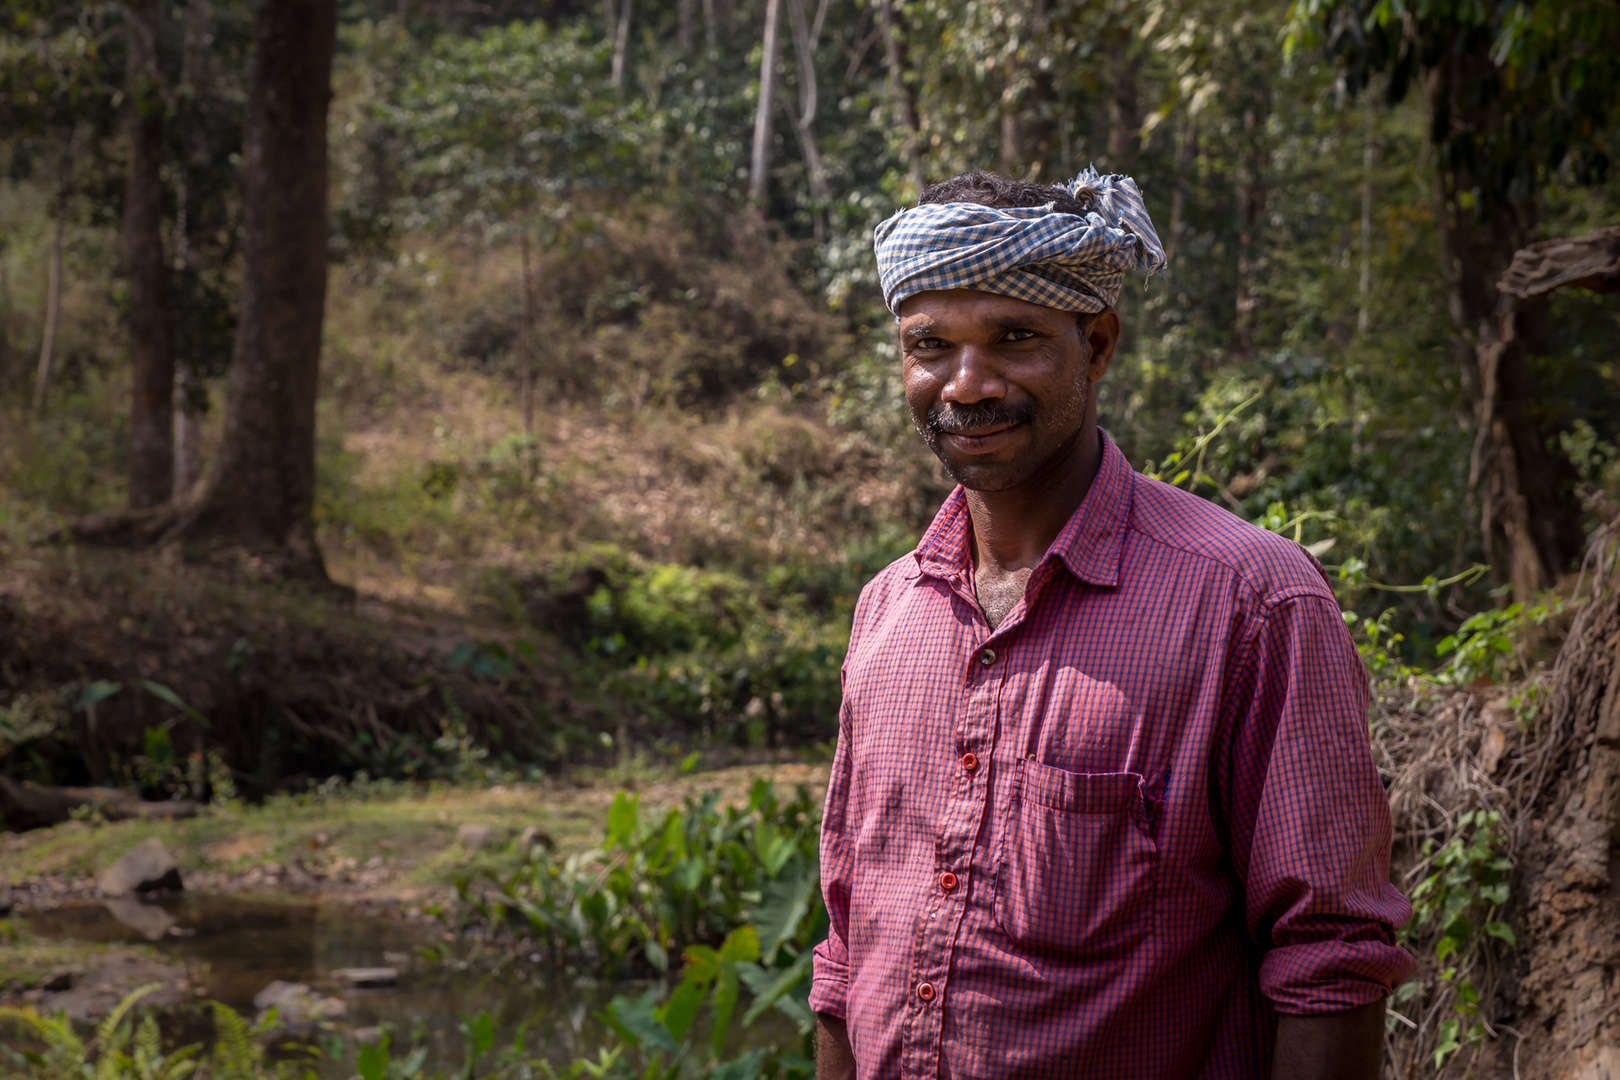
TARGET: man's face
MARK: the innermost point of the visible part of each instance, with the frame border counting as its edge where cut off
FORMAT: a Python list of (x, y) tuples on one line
[(1000, 387)]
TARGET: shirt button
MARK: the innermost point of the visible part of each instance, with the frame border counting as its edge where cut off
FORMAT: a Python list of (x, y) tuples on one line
[(925, 991), (947, 881), (970, 762), (987, 657)]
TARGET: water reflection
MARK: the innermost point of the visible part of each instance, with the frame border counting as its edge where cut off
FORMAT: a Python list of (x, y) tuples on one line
[(244, 945)]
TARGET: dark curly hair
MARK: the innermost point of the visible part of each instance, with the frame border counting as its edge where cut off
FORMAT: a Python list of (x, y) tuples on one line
[(993, 189)]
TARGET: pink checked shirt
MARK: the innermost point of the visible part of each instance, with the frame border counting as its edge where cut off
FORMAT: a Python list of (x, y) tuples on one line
[(1111, 836)]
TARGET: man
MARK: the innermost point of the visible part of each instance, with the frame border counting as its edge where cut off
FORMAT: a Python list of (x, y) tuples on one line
[(1103, 803)]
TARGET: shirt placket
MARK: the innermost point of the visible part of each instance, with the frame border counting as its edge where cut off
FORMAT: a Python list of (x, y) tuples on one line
[(969, 800)]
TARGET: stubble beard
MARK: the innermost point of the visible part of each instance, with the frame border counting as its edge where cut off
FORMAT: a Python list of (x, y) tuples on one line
[(1069, 418)]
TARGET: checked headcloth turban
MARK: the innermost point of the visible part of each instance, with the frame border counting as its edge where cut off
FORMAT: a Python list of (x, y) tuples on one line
[(1072, 262)]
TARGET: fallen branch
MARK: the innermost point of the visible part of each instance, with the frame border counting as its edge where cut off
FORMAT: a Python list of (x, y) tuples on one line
[(25, 805)]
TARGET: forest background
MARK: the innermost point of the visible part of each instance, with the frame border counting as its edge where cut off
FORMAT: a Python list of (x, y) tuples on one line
[(601, 431)]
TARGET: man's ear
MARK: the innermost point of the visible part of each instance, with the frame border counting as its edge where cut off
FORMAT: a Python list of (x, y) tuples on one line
[(1102, 335)]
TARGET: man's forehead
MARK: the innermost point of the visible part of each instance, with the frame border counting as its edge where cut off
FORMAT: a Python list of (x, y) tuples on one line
[(971, 305)]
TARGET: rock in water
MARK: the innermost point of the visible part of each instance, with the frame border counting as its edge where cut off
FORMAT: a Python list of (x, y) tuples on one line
[(150, 920), (366, 978), (473, 837), (298, 1008), (144, 868)]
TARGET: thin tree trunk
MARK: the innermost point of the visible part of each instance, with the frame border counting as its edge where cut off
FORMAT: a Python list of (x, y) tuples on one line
[(685, 15), (1369, 158), (53, 316), (5, 327), (151, 442), (710, 33), (805, 38), (1124, 115), (1251, 217), (905, 96), (760, 161), (621, 40), (526, 339), (1186, 156), (261, 491), (193, 84)]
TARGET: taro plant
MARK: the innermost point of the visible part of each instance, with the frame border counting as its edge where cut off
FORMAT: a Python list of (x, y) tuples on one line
[(660, 884)]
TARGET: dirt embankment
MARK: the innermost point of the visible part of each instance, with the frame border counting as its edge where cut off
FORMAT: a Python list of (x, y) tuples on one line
[(107, 657)]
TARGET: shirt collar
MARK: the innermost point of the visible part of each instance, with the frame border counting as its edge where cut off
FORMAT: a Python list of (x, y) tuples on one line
[(1088, 545)]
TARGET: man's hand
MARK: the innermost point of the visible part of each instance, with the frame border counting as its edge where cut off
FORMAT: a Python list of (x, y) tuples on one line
[(1333, 1046), (834, 1059)]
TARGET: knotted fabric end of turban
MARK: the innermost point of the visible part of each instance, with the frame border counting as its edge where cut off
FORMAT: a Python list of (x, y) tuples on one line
[(1072, 262)]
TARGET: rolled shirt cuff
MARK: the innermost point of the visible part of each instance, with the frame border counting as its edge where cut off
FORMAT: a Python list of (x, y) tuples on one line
[(1332, 976), (829, 984)]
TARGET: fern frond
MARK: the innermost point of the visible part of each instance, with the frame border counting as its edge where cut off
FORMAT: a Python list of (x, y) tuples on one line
[(109, 1026)]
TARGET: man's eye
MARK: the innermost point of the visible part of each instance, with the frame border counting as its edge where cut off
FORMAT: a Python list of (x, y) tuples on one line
[(1020, 335), (930, 343)]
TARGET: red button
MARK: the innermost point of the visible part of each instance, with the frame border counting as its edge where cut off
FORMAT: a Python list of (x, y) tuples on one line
[(947, 881), (925, 991), (970, 762)]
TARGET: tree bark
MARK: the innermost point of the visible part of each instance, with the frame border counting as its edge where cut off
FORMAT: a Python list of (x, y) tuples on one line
[(53, 315), (621, 40), (187, 387), (1124, 113), (1251, 219), (1528, 517), (805, 37), (757, 175), (261, 491), (905, 95), (1028, 100), (151, 446)]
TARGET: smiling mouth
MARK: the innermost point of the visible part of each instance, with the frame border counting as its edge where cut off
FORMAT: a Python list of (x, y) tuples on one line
[(979, 438)]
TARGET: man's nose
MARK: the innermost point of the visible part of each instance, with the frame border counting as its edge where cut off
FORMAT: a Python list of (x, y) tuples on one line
[(976, 377)]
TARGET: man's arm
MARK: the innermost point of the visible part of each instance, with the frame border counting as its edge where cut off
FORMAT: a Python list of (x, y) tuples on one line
[(1331, 1046), (834, 1059)]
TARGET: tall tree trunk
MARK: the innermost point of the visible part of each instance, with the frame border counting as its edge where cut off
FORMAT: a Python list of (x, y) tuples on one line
[(1251, 219), (151, 446), (526, 338), (261, 491), (1028, 102), (685, 15), (621, 40), (1369, 158), (805, 37), (1186, 158), (760, 161), (1124, 112), (1529, 519), (53, 315), (187, 387), (905, 94)]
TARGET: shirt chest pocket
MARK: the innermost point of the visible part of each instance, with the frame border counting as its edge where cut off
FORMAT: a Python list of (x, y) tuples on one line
[(1077, 863)]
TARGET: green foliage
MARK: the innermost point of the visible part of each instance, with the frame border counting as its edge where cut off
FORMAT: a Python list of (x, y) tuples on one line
[(657, 886), (1488, 645), (1455, 912)]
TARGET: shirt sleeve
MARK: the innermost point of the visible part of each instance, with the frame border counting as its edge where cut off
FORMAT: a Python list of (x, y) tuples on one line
[(829, 981), (1307, 815)]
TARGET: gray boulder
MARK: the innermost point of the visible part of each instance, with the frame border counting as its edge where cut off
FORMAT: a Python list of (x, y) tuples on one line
[(145, 868)]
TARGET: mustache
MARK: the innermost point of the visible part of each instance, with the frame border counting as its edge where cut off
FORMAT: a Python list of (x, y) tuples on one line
[(952, 416)]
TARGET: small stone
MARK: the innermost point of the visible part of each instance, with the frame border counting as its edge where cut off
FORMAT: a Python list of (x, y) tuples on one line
[(474, 837), (146, 867), (298, 1008), (367, 978)]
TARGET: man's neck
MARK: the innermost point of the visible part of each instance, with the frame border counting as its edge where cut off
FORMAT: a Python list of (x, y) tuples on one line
[(1013, 529)]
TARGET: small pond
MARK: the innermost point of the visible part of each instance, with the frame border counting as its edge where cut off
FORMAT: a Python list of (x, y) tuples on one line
[(242, 945)]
